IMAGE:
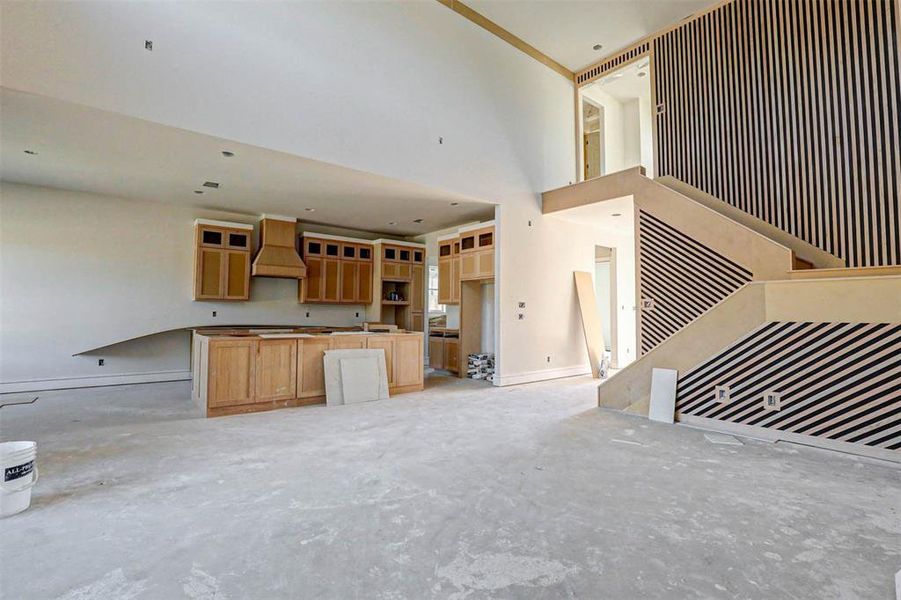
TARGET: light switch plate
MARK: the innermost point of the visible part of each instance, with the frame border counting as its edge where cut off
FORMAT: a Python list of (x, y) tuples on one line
[(772, 401)]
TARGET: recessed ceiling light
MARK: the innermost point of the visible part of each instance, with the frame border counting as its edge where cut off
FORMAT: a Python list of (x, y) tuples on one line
[(198, 191), (455, 203), (597, 46), (417, 220), (392, 223), (211, 184), (228, 153), (641, 73), (616, 215), (31, 152), (309, 209)]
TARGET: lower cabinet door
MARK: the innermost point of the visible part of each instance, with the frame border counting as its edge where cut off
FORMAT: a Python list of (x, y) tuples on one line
[(276, 376), (452, 355), (387, 344), (436, 352), (232, 367), (408, 362), (310, 370)]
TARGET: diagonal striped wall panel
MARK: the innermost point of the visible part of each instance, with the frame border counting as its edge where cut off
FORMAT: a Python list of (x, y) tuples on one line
[(681, 277), (790, 110), (840, 381)]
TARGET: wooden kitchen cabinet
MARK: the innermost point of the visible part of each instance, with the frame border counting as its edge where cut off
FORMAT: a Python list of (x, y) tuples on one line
[(436, 352), (276, 370), (364, 282), (408, 361), (349, 275), (235, 374), (310, 372), (331, 280), (449, 271), (417, 293), (477, 254), (232, 371), (338, 271), (452, 354), (221, 260)]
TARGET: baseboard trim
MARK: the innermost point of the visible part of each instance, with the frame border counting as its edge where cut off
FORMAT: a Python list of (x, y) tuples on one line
[(775, 435), (543, 375), (43, 385)]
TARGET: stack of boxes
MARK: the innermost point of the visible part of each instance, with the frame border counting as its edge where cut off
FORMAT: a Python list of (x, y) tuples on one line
[(481, 366)]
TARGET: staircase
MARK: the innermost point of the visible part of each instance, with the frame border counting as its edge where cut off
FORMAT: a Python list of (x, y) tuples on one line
[(729, 300)]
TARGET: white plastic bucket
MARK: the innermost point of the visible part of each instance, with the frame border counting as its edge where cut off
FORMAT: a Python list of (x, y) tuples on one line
[(18, 474)]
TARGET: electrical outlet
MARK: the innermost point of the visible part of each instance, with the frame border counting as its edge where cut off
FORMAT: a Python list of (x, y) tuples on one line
[(549, 359), (522, 304), (148, 45), (721, 394), (772, 401), (308, 314), (214, 313), (357, 315), (647, 304), (100, 362), (521, 316)]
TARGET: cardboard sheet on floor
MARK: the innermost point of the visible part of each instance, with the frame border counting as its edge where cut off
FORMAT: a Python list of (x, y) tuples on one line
[(591, 323), (663, 395), (358, 381)]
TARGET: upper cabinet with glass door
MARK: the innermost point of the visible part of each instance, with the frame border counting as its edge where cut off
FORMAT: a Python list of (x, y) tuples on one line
[(222, 260)]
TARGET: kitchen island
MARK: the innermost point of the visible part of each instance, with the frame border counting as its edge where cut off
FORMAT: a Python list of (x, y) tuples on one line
[(248, 370)]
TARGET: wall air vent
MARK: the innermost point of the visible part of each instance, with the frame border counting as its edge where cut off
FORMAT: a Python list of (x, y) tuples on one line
[(211, 184)]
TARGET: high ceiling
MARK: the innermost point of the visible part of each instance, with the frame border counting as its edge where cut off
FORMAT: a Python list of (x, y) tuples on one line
[(91, 150), (568, 30)]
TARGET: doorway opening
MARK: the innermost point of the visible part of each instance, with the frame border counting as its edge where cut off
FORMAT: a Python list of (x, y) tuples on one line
[(617, 121)]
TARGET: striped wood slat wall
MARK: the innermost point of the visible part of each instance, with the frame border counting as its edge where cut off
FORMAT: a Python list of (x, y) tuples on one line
[(840, 381), (682, 277), (789, 110)]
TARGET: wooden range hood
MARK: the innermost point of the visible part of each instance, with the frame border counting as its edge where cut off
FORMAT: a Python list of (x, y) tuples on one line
[(277, 256)]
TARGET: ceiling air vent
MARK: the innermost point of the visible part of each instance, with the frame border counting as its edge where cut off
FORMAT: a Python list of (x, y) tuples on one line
[(211, 184)]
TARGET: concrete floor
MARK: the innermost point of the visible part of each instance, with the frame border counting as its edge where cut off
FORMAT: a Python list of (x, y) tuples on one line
[(462, 491)]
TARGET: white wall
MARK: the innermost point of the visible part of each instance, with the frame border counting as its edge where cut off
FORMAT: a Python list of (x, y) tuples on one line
[(286, 76), (602, 291), (631, 128), (79, 271)]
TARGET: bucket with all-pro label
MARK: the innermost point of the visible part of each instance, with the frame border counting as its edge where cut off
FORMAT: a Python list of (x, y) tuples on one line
[(19, 474)]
